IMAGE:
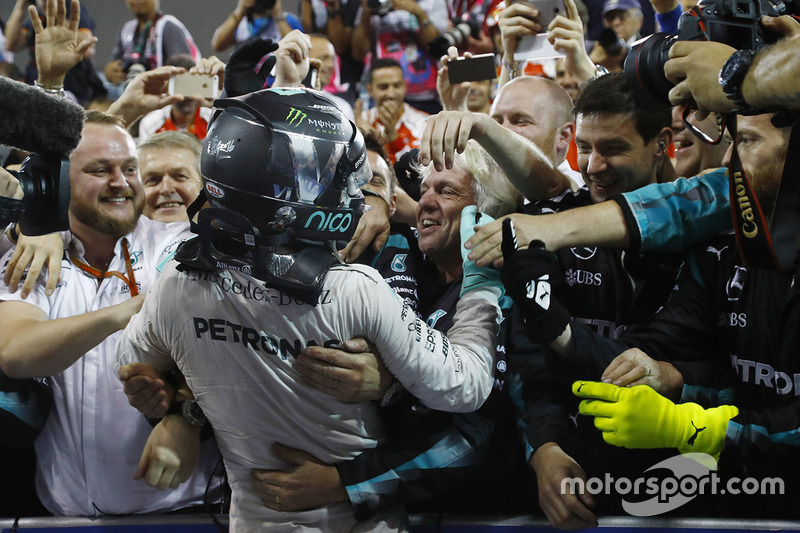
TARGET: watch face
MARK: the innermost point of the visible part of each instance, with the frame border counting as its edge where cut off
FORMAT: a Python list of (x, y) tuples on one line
[(194, 413), (194, 409), (735, 67)]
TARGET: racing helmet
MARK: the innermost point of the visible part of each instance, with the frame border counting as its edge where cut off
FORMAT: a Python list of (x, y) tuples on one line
[(282, 172)]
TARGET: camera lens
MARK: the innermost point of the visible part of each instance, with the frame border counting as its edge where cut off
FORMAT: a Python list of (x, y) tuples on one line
[(456, 36), (644, 70)]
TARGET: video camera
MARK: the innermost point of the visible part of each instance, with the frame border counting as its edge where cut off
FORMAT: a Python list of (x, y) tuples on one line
[(732, 22), (51, 127), (43, 209)]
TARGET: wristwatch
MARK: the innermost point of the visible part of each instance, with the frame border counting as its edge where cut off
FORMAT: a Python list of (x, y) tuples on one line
[(732, 76), (190, 410)]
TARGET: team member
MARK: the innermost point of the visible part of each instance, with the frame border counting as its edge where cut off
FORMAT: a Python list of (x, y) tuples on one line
[(170, 168), (620, 149), (91, 443), (736, 328)]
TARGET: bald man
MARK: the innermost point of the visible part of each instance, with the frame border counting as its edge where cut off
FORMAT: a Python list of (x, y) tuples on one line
[(540, 110)]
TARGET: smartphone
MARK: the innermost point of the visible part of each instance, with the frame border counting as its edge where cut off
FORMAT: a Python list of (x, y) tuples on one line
[(475, 68), (194, 85), (537, 47), (548, 10), (310, 80)]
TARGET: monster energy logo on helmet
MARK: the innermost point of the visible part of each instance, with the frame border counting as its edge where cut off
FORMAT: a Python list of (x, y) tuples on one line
[(295, 115)]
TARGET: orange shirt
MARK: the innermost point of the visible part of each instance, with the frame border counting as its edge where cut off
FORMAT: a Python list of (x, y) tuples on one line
[(198, 127)]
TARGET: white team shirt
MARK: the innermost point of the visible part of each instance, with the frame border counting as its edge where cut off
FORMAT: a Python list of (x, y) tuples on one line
[(235, 340), (92, 441)]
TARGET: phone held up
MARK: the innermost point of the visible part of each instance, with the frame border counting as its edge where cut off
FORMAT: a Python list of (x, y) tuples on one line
[(476, 68), (194, 85)]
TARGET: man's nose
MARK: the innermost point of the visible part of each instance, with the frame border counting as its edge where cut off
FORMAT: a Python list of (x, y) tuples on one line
[(166, 185), (426, 200), (597, 163), (726, 159), (118, 179)]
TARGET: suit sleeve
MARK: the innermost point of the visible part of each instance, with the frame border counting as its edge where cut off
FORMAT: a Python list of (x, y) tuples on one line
[(429, 454), (145, 339), (452, 373)]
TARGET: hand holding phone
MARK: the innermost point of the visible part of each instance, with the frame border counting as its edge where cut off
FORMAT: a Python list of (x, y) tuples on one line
[(475, 68), (190, 85)]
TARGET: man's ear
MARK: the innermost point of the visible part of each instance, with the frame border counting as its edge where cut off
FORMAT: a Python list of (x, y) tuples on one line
[(663, 140), (564, 136)]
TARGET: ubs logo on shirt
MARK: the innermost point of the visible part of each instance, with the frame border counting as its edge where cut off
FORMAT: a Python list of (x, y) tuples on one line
[(583, 277)]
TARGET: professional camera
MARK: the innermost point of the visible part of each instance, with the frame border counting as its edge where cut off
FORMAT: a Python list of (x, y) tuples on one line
[(51, 127), (732, 22), (43, 209), (380, 7), (463, 27)]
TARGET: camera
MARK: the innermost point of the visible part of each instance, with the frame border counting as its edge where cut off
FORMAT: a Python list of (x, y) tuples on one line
[(380, 7), (50, 128), (133, 66), (732, 22), (44, 208), (463, 27)]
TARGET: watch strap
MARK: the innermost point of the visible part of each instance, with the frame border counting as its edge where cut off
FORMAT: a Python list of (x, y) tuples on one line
[(190, 410)]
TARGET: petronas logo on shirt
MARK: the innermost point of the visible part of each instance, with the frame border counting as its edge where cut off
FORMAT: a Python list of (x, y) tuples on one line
[(295, 115)]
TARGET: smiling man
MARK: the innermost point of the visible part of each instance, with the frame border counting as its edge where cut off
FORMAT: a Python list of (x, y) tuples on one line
[(170, 169), (92, 441), (692, 155), (401, 124), (620, 147)]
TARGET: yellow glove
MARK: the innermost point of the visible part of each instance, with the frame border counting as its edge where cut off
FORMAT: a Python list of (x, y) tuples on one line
[(639, 417)]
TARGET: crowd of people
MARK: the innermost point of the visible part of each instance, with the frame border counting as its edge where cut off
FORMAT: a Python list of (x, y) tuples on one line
[(348, 289)]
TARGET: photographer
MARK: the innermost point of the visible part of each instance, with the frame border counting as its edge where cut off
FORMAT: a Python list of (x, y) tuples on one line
[(146, 41), (770, 80), (264, 19), (403, 30)]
